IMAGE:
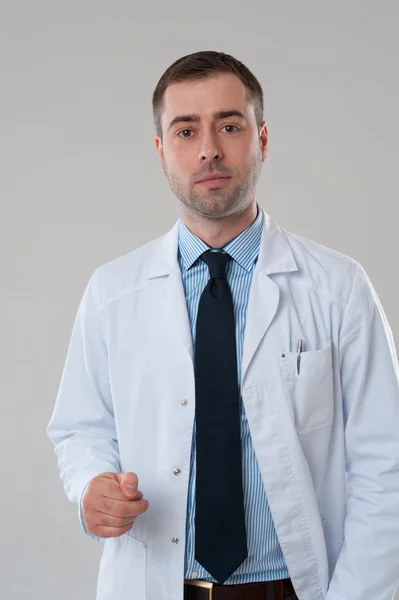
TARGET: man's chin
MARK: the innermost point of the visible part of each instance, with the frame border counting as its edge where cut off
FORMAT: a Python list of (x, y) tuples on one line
[(207, 209)]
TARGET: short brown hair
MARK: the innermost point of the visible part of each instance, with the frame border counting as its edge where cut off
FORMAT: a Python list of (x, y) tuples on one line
[(200, 65)]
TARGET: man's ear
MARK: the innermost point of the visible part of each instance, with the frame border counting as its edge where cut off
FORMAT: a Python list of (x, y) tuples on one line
[(159, 148), (263, 135)]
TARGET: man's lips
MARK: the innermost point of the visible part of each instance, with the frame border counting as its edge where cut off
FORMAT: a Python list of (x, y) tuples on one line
[(212, 176), (214, 183)]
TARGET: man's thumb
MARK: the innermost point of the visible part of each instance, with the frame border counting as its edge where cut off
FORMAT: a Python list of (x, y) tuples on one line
[(128, 483)]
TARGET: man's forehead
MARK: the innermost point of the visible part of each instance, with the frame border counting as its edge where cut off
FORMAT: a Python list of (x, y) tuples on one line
[(207, 95)]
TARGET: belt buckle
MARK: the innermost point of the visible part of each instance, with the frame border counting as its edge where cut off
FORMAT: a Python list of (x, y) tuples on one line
[(204, 584)]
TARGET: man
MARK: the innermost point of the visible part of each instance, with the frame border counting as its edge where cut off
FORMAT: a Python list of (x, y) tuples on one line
[(236, 372)]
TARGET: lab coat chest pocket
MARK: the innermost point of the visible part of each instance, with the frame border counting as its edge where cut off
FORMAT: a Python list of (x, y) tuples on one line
[(122, 572), (310, 392)]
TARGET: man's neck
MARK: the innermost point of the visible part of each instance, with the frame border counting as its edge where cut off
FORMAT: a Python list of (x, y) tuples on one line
[(219, 232)]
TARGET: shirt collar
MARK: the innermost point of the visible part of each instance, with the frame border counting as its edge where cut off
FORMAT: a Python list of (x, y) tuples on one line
[(243, 249)]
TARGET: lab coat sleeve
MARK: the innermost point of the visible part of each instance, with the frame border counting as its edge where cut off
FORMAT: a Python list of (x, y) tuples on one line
[(368, 563), (82, 426), (81, 516)]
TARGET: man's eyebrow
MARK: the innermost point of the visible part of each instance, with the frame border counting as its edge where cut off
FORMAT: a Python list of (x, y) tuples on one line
[(194, 118)]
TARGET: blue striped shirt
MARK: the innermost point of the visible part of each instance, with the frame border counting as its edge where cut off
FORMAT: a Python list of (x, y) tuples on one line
[(265, 559)]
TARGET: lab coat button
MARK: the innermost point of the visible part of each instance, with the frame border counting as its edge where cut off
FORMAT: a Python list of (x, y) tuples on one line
[(184, 402), (175, 540), (177, 472)]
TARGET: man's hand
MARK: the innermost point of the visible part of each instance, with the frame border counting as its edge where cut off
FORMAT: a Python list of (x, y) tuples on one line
[(110, 507)]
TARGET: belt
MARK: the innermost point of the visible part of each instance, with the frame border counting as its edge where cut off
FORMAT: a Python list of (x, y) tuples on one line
[(281, 589)]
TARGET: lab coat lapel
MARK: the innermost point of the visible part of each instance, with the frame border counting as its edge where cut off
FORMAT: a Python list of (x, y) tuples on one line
[(275, 256), (175, 325)]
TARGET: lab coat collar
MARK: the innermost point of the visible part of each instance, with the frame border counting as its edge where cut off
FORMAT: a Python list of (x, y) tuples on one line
[(275, 254)]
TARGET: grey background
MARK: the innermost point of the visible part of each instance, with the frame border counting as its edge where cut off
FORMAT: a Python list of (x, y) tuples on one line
[(81, 184)]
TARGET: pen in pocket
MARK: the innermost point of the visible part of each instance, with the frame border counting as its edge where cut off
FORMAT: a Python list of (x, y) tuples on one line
[(298, 359)]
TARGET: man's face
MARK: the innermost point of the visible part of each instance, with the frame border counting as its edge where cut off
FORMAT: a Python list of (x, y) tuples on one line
[(231, 145)]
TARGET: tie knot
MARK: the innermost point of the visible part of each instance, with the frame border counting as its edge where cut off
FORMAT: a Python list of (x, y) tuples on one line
[(216, 262)]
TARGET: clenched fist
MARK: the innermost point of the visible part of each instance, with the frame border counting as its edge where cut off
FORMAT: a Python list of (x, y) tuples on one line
[(110, 507)]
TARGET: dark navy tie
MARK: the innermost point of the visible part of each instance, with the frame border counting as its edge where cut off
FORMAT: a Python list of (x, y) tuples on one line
[(220, 534)]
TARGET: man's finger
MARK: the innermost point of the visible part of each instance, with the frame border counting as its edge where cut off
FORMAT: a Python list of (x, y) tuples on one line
[(128, 482), (117, 508), (110, 488)]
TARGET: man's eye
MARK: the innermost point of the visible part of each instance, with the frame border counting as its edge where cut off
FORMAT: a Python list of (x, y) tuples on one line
[(182, 131), (233, 126)]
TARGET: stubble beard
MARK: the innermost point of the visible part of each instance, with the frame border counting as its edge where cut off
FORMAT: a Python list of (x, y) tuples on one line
[(218, 202)]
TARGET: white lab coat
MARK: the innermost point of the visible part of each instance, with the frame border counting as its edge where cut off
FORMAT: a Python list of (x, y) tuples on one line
[(129, 366)]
